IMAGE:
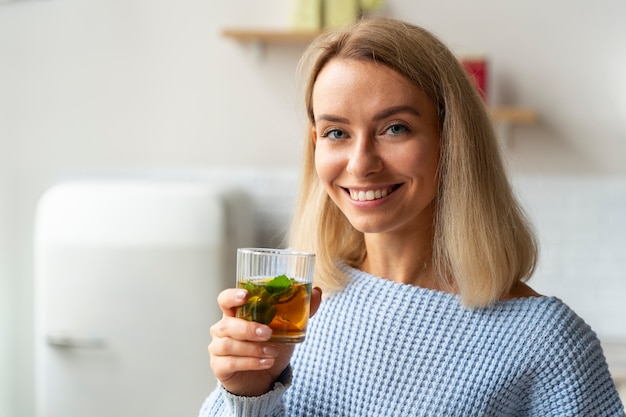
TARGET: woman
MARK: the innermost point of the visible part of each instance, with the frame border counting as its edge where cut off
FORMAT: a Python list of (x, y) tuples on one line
[(422, 253)]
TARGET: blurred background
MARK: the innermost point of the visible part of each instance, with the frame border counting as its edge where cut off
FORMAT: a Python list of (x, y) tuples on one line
[(153, 88)]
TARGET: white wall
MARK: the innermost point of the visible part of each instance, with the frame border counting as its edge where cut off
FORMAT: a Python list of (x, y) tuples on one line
[(93, 85), (565, 58)]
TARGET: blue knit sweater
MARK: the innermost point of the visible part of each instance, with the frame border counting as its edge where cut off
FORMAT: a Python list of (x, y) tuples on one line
[(380, 348)]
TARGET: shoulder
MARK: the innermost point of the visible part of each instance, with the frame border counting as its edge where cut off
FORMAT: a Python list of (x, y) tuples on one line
[(569, 372), (521, 290), (568, 339), (565, 371), (549, 318)]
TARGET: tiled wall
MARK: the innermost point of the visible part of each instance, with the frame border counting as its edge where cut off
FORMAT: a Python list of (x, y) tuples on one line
[(272, 193)]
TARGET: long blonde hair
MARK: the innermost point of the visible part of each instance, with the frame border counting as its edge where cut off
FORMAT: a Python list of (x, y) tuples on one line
[(483, 244)]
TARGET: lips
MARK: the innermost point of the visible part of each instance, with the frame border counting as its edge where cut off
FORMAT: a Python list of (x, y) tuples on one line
[(371, 194)]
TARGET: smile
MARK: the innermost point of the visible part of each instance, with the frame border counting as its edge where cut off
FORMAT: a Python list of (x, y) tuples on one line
[(368, 195)]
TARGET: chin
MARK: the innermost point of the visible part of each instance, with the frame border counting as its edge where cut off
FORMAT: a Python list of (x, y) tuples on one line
[(367, 227)]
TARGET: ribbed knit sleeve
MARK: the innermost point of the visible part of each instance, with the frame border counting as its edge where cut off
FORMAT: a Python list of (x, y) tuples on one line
[(380, 348), (225, 404)]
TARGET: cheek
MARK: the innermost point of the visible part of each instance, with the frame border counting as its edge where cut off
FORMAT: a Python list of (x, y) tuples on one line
[(428, 163), (328, 165), (419, 162)]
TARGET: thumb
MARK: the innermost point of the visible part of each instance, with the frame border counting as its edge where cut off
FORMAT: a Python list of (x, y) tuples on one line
[(316, 299)]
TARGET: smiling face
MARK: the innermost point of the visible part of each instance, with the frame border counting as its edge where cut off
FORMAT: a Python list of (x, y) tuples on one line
[(377, 146)]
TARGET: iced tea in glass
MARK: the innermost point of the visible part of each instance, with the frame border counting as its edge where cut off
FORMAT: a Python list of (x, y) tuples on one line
[(279, 283)]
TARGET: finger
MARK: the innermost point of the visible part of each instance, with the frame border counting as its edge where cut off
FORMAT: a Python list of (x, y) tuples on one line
[(230, 299), (231, 347), (241, 330), (225, 366), (316, 300)]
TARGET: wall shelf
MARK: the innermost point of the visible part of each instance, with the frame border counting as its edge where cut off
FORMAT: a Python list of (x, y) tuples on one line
[(271, 36), (514, 115), (506, 117), (259, 38)]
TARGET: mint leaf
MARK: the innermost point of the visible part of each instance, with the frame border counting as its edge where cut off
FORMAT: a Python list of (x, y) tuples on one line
[(279, 284), (260, 310)]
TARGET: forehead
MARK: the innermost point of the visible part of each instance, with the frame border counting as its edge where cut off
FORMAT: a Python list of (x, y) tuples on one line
[(349, 83), (352, 71)]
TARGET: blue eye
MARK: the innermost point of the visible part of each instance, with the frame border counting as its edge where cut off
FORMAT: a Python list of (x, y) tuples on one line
[(335, 134), (396, 129)]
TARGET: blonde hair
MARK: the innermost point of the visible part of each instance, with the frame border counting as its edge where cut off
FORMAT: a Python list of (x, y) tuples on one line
[(483, 244)]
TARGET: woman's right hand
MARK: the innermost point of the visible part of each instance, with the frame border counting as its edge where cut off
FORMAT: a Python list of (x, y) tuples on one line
[(242, 358)]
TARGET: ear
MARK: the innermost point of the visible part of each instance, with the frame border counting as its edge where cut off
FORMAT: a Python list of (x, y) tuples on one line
[(314, 135)]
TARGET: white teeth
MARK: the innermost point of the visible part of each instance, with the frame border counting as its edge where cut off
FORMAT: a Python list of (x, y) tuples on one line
[(369, 194)]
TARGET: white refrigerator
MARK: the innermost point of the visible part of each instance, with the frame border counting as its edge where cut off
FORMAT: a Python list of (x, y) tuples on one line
[(126, 277)]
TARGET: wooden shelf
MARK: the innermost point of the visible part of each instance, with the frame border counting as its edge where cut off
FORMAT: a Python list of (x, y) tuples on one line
[(514, 115), (271, 36), (507, 117)]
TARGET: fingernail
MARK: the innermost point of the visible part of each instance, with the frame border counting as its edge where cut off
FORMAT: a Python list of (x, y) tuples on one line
[(266, 363), (263, 332), (241, 294), (270, 351)]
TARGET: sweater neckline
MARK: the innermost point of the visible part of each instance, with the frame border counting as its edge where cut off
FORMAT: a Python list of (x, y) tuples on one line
[(356, 274)]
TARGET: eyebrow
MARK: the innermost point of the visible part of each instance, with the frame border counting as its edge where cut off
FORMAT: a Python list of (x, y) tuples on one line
[(381, 115), (331, 118), (395, 110)]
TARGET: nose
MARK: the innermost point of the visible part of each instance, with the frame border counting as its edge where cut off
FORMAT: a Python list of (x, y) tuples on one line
[(364, 158)]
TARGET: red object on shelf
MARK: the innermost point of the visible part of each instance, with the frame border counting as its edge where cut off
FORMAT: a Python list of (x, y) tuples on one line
[(477, 68)]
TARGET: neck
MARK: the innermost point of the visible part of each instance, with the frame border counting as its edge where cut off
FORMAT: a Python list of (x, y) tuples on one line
[(408, 261)]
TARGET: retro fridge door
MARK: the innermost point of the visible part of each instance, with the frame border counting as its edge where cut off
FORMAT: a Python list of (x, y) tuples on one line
[(127, 274)]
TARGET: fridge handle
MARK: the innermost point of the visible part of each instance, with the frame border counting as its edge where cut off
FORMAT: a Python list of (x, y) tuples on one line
[(70, 342)]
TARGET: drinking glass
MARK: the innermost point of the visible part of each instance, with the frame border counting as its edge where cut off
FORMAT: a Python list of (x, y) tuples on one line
[(279, 283)]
